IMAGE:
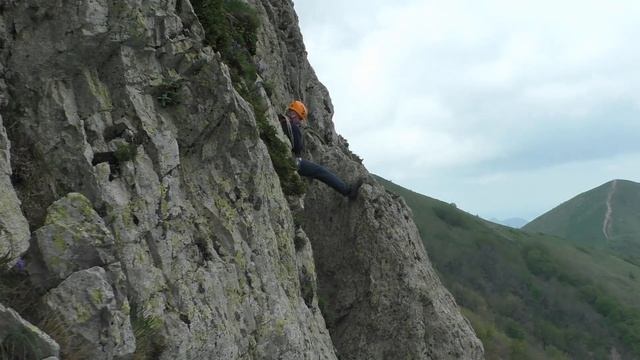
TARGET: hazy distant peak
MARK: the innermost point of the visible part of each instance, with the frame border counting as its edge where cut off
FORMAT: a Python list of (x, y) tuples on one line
[(514, 222)]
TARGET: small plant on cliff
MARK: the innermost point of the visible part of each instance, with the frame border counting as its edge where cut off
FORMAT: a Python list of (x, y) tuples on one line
[(20, 344), (15, 292), (145, 329), (126, 152), (168, 90), (55, 326), (231, 28), (5, 260), (15, 288)]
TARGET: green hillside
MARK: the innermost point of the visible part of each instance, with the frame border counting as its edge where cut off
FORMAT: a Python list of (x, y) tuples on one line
[(607, 216), (528, 295)]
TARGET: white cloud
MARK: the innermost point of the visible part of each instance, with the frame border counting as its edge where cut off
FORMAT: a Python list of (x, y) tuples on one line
[(479, 88), (415, 148)]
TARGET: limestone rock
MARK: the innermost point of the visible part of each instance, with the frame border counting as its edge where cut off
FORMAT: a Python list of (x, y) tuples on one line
[(306, 268), (380, 296), (374, 274), (149, 128), (74, 238), (96, 327), (14, 229), (19, 337)]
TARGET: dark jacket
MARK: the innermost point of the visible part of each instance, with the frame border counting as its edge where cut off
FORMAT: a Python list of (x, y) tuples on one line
[(295, 135), (298, 140)]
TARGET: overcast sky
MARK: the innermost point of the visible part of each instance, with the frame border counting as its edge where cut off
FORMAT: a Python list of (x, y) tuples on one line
[(506, 108)]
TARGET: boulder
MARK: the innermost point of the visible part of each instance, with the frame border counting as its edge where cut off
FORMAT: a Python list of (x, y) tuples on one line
[(73, 238), (95, 327), (18, 337)]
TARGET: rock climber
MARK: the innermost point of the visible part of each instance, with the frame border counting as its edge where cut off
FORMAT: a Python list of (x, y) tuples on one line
[(292, 122)]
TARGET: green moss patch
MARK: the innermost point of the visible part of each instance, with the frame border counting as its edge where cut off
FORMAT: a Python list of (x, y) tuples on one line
[(126, 152), (231, 28)]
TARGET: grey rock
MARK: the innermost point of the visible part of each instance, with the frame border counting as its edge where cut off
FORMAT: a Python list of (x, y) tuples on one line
[(74, 238), (383, 299), (306, 269), (86, 307), (379, 294), (203, 237), (22, 337), (14, 229)]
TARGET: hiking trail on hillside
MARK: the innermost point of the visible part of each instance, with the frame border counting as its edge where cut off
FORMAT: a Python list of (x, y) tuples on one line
[(606, 226)]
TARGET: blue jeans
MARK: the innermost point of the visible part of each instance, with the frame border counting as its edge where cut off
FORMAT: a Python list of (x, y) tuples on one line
[(315, 171)]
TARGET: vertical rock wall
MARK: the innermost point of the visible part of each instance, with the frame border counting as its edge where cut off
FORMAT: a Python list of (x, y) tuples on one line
[(166, 203), (14, 230), (380, 296), (150, 195)]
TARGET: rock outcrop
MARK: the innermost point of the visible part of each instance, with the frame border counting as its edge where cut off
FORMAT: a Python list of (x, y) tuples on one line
[(18, 336), (14, 230), (96, 323), (159, 225), (73, 238), (381, 298)]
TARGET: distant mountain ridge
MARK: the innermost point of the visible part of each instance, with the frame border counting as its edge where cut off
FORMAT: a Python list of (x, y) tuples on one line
[(606, 216), (514, 222)]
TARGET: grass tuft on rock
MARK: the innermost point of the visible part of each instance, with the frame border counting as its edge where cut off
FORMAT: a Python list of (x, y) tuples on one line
[(146, 330), (126, 152), (231, 28)]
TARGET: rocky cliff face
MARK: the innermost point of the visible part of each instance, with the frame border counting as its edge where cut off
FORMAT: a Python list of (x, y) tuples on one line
[(152, 222)]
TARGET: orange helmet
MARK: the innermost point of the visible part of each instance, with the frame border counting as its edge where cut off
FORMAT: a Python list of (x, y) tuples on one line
[(299, 108)]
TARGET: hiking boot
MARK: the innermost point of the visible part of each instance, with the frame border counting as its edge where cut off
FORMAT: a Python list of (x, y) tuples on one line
[(354, 189)]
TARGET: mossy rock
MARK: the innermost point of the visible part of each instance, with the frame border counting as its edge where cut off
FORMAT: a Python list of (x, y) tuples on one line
[(126, 152), (231, 27)]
